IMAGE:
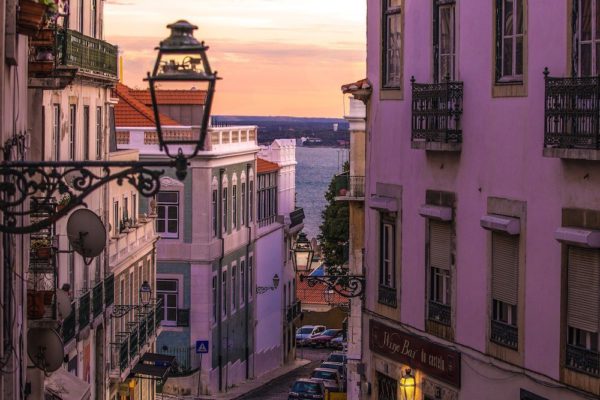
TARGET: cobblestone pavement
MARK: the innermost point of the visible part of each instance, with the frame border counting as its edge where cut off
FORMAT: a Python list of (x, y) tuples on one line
[(279, 388)]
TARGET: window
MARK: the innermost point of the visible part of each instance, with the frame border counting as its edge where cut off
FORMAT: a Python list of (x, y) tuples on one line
[(98, 133), (167, 222), (86, 132), (586, 55), (251, 198), (509, 40), (444, 45), (505, 282), (81, 15), (214, 299), (116, 228), (94, 17), (440, 261), (234, 207), (134, 204), (242, 282), (267, 198), (392, 44), (167, 291), (215, 212), (125, 209), (250, 284), (56, 131), (224, 208), (224, 293), (72, 131), (583, 310), (387, 253), (243, 203), (234, 298)]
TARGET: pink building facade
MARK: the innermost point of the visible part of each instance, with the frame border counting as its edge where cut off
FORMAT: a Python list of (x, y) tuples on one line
[(482, 200)]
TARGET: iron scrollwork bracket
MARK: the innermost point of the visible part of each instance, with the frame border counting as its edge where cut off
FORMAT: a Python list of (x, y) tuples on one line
[(345, 285), (28, 186), (264, 289)]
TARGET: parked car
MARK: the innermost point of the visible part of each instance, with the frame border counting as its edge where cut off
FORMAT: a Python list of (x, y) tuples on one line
[(306, 332), (339, 342), (341, 369), (337, 356), (323, 339), (330, 378), (307, 389)]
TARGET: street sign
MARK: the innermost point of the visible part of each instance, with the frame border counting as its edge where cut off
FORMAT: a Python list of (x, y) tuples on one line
[(201, 346)]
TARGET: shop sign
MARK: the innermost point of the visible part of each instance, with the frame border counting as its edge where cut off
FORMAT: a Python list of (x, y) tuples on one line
[(432, 359)]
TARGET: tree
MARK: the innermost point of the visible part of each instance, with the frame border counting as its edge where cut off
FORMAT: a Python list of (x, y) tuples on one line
[(334, 234)]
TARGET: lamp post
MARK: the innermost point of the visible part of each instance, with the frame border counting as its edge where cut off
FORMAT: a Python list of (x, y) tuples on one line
[(145, 293), (346, 285), (27, 186), (265, 289), (408, 385), (145, 299)]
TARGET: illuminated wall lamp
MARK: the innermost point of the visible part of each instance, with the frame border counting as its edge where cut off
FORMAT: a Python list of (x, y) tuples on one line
[(408, 385)]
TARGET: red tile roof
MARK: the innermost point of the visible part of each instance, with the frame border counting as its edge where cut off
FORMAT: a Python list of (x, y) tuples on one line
[(171, 97), (362, 84), (263, 166), (316, 294), (130, 112)]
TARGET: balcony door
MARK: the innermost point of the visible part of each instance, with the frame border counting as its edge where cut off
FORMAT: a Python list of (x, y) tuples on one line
[(444, 40)]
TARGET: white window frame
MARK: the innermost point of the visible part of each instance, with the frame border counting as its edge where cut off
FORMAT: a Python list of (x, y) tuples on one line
[(452, 40), (387, 267), (168, 205), (163, 294), (513, 37), (392, 45), (440, 276)]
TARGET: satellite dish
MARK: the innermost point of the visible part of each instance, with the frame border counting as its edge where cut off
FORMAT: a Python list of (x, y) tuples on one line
[(45, 349), (86, 233), (63, 304)]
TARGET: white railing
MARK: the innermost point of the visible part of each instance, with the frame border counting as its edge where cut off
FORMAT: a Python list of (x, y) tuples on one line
[(130, 240)]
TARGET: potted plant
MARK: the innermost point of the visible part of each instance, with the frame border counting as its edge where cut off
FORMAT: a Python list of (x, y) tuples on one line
[(41, 248), (30, 16), (64, 200)]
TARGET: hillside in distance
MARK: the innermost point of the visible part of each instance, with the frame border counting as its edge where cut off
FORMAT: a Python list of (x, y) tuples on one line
[(322, 131)]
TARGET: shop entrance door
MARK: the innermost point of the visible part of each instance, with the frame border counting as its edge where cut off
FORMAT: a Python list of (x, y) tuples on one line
[(387, 388)]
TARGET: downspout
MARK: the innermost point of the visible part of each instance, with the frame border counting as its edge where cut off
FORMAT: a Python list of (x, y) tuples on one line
[(220, 277), (247, 308)]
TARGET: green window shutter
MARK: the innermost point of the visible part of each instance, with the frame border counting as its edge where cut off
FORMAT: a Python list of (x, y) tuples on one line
[(436, 40), (575, 44)]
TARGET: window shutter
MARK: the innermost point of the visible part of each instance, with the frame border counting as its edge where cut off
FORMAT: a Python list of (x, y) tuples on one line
[(575, 44), (499, 4), (436, 41), (440, 239), (583, 298), (505, 267)]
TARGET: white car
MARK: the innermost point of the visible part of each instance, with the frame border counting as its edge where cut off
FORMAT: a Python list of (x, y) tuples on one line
[(330, 378), (306, 332)]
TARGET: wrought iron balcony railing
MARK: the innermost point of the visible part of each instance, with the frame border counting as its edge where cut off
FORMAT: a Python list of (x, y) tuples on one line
[(572, 113), (97, 300), (583, 360), (387, 296), (95, 58), (440, 313), (109, 290), (84, 310), (293, 311), (69, 326), (436, 111), (347, 186), (504, 334)]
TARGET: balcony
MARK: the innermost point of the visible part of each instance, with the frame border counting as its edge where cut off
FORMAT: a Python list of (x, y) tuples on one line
[(128, 345), (387, 296), (109, 290), (436, 113), (440, 313), (583, 360), (69, 326), (293, 312), (572, 118), (84, 310), (97, 300), (504, 335), (124, 246), (349, 188)]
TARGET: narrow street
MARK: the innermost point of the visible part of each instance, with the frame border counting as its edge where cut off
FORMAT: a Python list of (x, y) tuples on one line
[(278, 389)]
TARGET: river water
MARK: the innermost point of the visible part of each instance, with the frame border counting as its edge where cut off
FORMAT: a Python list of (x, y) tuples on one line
[(316, 166)]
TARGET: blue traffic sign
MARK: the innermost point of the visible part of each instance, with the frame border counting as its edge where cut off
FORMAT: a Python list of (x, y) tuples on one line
[(201, 346)]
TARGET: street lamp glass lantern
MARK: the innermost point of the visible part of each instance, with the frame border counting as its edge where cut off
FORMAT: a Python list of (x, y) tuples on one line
[(408, 385), (181, 64), (145, 293), (275, 281), (303, 254)]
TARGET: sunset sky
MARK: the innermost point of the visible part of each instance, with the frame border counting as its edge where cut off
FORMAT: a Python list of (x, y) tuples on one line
[(276, 57)]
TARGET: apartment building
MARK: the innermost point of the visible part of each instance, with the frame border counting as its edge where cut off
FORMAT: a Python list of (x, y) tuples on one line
[(481, 229)]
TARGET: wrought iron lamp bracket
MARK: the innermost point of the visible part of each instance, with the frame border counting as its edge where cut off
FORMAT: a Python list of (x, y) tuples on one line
[(26, 186), (264, 289), (345, 285)]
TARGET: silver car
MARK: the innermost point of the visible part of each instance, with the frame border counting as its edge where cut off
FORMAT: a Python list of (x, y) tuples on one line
[(330, 378), (306, 332)]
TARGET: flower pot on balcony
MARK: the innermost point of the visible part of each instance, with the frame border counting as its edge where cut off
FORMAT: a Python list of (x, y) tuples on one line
[(43, 253), (41, 67), (35, 304), (342, 192), (30, 17)]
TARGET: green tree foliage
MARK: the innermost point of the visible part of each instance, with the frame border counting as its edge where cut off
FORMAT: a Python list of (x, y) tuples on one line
[(334, 237)]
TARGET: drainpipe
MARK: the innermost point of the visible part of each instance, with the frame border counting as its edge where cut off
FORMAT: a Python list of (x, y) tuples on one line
[(220, 277), (247, 308)]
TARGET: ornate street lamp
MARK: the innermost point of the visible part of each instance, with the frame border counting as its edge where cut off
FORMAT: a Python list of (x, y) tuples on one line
[(408, 385), (265, 289), (182, 62), (28, 186), (346, 285), (145, 293)]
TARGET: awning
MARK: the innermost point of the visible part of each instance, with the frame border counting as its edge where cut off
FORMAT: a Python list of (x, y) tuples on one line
[(153, 365), (383, 203), (436, 212), (578, 237), (66, 386), (493, 222)]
